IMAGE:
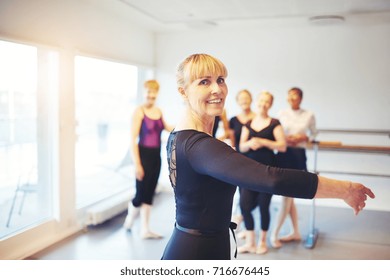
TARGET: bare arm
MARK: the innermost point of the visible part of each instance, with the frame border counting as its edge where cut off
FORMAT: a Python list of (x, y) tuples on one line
[(135, 130), (225, 124), (354, 194), (167, 126), (245, 144), (232, 139)]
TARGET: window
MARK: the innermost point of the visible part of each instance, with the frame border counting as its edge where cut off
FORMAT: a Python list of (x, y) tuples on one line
[(25, 150), (106, 94)]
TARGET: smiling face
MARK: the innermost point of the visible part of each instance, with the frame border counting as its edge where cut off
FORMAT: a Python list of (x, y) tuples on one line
[(244, 100), (206, 95), (264, 102), (294, 98), (150, 97), (201, 82), (151, 89)]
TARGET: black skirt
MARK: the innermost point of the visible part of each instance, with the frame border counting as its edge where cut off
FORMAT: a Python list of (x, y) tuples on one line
[(293, 158)]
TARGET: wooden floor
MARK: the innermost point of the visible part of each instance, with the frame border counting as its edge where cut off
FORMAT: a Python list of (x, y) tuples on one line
[(341, 236)]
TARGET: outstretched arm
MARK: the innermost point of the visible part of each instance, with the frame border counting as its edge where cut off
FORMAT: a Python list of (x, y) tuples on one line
[(214, 158)]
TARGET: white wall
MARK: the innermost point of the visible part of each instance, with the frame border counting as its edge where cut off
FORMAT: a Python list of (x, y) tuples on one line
[(342, 69), (78, 26)]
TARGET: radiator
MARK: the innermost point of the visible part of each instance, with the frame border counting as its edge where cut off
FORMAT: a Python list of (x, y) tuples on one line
[(108, 208)]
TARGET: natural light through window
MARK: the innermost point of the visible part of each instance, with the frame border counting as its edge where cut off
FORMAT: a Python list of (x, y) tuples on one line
[(105, 98), (25, 123)]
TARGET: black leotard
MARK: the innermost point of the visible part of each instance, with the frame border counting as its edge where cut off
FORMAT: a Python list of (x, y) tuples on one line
[(249, 199), (236, 126), (204, 173)]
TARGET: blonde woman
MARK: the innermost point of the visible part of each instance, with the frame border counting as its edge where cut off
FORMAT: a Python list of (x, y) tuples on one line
[(147, 126), (244, 100), (204, 171), (260, 137)]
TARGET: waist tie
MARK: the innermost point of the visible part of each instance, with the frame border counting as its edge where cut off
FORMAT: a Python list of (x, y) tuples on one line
[(198, 232), (232, 227)]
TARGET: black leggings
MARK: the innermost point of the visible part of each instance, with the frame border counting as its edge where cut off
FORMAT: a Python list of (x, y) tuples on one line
[(186, 246), (249, 200), (151, 162)]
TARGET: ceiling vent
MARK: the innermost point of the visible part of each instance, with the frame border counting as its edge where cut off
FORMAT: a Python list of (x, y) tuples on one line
[(201, 24), (326, 20)]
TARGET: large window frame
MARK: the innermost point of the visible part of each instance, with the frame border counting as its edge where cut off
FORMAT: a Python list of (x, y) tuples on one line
[(66, 218)]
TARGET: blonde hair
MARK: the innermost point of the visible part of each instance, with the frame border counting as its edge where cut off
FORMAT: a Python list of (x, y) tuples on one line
[(196, 66), (152, 84), (244, 91), (267, 93)]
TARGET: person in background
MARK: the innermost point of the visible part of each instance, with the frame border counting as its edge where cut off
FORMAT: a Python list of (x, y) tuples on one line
[(147, 126), (225, 123), (204, 171), (260, 137), (244, 100), (299, 127)]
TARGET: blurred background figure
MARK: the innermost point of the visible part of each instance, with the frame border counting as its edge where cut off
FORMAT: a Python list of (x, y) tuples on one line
[(147, 126), (244, 100), (225, 125), (260, 137), (299, 127)]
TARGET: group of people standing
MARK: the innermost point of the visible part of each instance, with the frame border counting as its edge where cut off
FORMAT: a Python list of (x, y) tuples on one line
[(205, 172), (274, 142)]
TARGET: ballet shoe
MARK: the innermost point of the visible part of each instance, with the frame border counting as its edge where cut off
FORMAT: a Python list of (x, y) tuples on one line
[(275, 243), (290, 238), (261, 250), (150, 235), (246, 249)]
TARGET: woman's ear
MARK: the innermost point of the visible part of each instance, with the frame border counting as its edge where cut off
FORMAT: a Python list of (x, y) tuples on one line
[(182, 92)]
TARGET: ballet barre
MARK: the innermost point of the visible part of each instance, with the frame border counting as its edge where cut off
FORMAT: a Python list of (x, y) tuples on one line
[(336, 146)]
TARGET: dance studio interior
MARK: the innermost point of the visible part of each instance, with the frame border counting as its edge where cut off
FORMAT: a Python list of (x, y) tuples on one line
[(72, 73)]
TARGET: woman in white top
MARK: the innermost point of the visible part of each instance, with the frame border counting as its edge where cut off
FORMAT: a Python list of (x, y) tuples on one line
[(299, 127)]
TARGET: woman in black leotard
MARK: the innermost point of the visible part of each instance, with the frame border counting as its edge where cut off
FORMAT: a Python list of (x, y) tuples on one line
[(260, 137), (204, 171), (244, 100)]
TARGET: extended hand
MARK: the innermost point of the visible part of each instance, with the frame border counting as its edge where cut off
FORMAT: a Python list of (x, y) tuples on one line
[(357, 195)]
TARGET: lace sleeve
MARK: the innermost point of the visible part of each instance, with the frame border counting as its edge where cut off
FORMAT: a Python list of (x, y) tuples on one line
[(171, 155)]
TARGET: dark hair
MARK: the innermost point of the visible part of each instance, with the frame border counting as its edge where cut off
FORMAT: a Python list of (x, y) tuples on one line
[(297, 90)]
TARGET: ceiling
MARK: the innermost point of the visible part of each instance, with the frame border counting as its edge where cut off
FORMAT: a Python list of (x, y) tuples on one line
[(163, 15)]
